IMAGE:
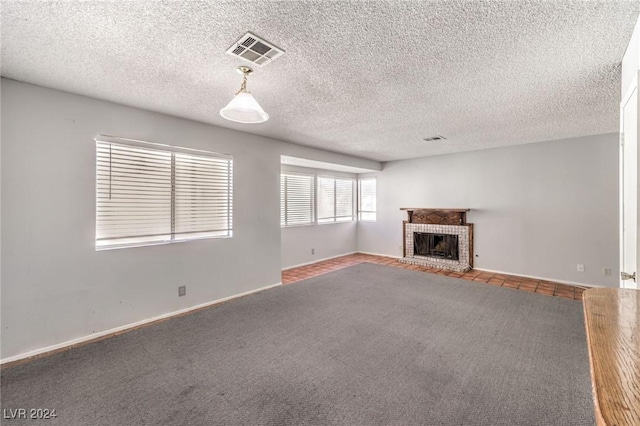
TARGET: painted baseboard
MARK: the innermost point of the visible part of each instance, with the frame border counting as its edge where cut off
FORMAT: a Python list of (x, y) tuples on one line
[(555, 280), (507, 273), (318, 260), (125, 328), (380, 254)]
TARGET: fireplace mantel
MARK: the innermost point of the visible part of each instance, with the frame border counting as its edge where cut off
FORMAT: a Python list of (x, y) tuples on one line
[(442, 221), (437, 216)]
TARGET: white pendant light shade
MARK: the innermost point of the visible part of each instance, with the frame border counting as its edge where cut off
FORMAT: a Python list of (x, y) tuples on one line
[(244, 108)]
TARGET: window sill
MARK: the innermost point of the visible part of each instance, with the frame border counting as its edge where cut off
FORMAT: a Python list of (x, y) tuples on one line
[(336, 223), (298, 225), (158, 243)]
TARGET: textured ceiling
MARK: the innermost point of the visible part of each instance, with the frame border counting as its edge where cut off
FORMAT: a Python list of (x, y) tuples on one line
[(371, 79)]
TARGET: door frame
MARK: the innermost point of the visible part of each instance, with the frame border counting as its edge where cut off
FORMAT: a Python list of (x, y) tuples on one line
[(625, 99)]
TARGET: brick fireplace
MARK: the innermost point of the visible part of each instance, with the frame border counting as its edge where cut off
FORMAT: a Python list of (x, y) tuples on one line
[(439, 238)]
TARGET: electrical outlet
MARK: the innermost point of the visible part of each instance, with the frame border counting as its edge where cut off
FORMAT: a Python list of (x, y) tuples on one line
[(606, 272), (313, 251), (580, 267), (182, 290)]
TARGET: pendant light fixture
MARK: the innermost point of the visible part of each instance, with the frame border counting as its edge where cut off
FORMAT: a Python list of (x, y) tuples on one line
[(243, 108)]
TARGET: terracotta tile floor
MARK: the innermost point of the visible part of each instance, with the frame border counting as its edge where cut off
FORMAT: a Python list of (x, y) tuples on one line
[(548, 288)]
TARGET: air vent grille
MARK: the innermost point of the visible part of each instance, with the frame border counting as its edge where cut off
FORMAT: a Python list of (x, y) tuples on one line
[(248, 41), (255, 50), (434, 138)]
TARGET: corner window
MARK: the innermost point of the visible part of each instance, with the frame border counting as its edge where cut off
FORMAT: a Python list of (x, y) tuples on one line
[(153, 194), (367, 199)]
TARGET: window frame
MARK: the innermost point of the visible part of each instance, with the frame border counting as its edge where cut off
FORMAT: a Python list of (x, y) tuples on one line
[(375, 206), (174, 236), (335, 217)]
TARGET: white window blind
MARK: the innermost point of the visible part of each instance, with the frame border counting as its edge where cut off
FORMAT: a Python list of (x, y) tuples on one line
[(335, 199), (297, 199), (367, 199), (150, 194), (202, 196)]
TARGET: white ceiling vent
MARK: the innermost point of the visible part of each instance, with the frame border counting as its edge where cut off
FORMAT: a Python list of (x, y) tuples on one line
[(434, 138), (252, 48)]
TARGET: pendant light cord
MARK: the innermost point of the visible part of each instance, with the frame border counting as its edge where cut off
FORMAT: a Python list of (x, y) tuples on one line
[(243, 86)]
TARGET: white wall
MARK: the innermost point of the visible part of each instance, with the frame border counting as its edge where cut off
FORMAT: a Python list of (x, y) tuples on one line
[(539, 209), (327, 239), (55, 286)]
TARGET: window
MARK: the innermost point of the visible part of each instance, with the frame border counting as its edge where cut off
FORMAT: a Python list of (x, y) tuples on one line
[(306, 199), (297, 199), (335, 199), (152, 194), (367, 199)]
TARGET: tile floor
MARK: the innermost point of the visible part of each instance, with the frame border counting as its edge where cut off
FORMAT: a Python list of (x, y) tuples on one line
[(548, 288)]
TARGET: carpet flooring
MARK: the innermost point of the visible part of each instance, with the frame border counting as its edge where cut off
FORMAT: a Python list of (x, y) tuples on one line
[(364, 345)]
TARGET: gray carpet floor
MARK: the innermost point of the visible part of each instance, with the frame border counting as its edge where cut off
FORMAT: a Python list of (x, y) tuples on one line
[(365, 345)]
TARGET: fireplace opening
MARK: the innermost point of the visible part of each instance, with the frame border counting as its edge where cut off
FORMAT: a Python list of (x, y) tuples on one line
[(444, 246)]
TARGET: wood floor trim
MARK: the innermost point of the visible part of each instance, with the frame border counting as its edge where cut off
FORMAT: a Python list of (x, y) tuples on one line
[(612, 323)]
